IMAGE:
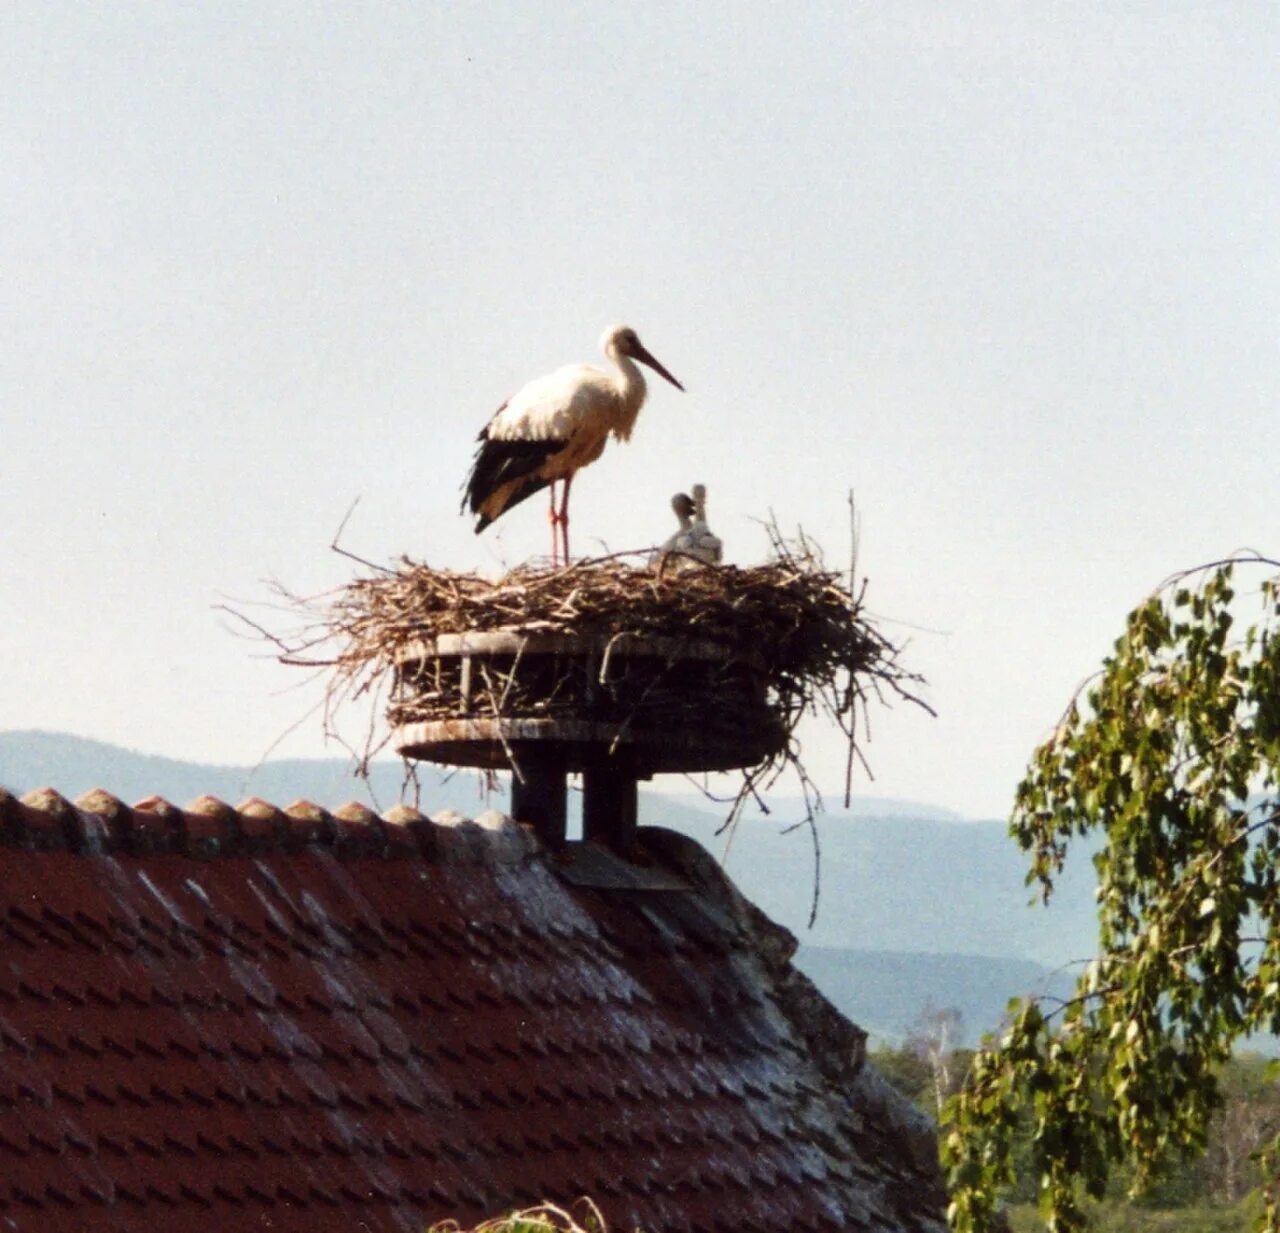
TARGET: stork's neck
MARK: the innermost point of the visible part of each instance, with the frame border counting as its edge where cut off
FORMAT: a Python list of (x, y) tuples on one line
[(631, 389)]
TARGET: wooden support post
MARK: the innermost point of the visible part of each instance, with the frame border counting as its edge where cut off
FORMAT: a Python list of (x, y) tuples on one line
[(609, 802), (540, 798)]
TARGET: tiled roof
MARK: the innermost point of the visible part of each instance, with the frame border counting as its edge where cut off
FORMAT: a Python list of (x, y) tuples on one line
[(254, 1017)]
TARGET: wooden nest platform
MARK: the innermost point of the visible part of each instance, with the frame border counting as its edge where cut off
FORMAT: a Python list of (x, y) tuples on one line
[(660, 703)]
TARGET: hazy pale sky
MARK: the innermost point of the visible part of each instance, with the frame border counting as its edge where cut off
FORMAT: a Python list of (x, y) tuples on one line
[(1009, 271)]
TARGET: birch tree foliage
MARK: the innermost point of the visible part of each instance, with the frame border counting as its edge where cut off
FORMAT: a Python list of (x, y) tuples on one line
[(1169, 760)]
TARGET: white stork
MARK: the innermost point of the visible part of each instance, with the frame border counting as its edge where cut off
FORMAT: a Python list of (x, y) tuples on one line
[(553, 428)]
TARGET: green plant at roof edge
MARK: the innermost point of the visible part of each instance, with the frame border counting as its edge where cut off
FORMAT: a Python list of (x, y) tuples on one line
[(544, 1218), (1169, 760)]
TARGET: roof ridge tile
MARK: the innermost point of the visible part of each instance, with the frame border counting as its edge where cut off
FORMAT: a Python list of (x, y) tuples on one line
[(47, 820), (208, 827), (153, 826), (308, 824), (262, 825), (358, 831)]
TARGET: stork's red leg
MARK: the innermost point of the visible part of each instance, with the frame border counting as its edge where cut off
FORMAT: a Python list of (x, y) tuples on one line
[(553, 518), (564, 516)]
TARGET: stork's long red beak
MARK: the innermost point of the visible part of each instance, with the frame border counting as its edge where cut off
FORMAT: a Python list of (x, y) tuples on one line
[(645, 358)]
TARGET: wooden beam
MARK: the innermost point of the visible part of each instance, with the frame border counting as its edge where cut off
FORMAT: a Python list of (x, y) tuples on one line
[(609, 801), (539, 796)]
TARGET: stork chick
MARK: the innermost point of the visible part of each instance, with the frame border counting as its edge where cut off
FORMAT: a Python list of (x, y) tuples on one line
[(703, 543), (682, 505)]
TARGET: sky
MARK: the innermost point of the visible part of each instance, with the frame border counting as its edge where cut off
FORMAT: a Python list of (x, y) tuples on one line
[(1009, 272)]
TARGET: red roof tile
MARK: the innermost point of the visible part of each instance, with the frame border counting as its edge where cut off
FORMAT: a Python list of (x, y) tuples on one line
[(336, 1021)]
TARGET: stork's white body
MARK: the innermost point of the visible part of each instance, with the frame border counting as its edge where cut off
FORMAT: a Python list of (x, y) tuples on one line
[(579, 405)]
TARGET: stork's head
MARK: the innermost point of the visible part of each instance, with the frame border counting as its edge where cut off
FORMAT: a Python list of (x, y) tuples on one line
[(623, 340), (682, 503)]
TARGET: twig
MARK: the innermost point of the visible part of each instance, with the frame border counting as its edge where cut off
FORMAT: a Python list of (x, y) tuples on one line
[(337, 535)]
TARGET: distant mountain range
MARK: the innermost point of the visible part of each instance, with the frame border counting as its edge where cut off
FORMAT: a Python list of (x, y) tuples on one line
[(917, 908), (890, 993)]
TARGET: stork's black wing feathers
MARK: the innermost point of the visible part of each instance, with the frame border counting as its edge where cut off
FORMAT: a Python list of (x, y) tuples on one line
[(499, 462)]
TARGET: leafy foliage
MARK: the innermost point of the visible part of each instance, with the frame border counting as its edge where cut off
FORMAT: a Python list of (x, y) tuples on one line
[(1172, 759), (545, 1218), (1114, 1217)]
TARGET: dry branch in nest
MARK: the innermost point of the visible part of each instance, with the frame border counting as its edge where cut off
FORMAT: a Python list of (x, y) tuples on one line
[(796, 623)]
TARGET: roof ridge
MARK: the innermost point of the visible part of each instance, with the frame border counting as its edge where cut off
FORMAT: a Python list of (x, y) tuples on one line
[(207, 827)]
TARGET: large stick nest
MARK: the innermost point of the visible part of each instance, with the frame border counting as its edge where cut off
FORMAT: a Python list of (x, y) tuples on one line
[(803, 626), (801, 622)]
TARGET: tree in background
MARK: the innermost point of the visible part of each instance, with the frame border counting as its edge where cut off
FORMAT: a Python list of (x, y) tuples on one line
[(1248, 1118), (1171, 756), (937, 1035), (929, 1065)]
